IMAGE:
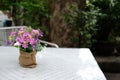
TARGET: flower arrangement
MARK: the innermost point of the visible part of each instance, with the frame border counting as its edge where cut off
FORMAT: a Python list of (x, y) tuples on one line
[(27, 39)]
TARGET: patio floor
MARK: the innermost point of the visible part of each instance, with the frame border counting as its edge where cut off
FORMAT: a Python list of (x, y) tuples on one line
[(110, 65), (112, 76)]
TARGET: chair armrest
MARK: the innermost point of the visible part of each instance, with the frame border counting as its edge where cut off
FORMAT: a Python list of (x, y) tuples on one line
[(49, 43)]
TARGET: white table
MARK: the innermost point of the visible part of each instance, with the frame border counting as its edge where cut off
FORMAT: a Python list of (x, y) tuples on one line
[(53, 64)]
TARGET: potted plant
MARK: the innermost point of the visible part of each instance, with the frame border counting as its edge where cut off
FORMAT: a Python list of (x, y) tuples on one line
[(28, 42)]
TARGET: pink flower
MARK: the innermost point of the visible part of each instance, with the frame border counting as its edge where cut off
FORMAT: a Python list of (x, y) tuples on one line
[(12, 33), (27, 38), (35, 31), (20, 40), (32, 41), (24, 45), (22, 29)]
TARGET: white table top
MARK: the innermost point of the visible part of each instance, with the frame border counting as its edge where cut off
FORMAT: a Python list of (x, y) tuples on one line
[(53, 64)]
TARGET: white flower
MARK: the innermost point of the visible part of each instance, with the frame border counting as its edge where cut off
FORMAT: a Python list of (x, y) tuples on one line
[(17, 44)]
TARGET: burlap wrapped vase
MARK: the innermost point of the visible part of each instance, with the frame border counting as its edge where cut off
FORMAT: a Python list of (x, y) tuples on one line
[(27, 59)]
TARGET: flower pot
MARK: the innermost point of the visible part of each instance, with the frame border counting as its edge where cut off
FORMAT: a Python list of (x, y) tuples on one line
[(27, 60)]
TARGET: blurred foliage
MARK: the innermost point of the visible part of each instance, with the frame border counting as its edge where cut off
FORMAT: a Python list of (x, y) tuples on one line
[(98, 21), (34, 13), (84, 22), (6, 4), (109, 21)]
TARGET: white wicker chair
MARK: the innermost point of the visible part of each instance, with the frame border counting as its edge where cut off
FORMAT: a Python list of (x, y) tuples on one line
[(4, 33)]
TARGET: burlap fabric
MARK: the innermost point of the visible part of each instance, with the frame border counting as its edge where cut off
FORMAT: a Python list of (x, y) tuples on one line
[(27, 59)]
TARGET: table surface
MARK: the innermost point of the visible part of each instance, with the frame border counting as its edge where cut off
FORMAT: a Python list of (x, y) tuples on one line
[(52, 64)]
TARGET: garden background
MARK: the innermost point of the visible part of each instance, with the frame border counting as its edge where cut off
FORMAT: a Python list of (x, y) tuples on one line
[(71, 23)]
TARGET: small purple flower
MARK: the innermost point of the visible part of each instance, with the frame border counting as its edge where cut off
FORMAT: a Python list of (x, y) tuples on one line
[(34, 46), (8, 43)]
